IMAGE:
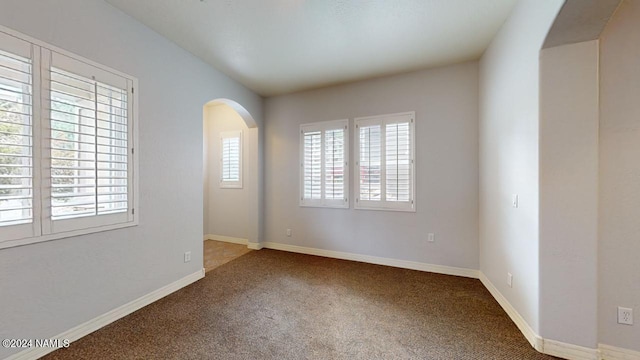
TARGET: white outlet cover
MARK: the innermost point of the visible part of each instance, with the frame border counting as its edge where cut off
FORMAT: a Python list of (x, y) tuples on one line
[(514, 200), (187, 256), (431, 237), (509, 279), (289, 232), (625, 316)]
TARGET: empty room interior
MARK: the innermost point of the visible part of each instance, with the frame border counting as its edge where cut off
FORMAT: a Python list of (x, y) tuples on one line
[(320, 179)]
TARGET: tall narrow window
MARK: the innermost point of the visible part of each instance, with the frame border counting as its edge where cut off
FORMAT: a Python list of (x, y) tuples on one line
[(231, 159), (385, 162), (324, 160)]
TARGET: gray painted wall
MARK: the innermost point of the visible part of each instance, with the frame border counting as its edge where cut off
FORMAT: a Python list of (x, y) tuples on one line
[(569, 193), (50, 287), (619, 243), (509, 83), (445, 101)]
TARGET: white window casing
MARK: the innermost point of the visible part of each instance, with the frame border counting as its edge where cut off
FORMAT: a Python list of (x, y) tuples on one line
[(67, 160), (231, 159), (385, 162), (324, 164)]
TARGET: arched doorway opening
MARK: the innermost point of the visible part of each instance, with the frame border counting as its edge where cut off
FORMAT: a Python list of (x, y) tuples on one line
[(230, 180)]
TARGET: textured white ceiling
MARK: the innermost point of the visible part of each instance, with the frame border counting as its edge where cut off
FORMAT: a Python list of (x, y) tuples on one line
[(280, 46)]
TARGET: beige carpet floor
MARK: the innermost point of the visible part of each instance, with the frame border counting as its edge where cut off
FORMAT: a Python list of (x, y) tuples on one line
[(270, 304), (218, 253)]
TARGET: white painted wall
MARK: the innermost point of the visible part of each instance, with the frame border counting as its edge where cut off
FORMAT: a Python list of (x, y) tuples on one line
[(619, 246), (445, 101), (569, 193), (508, 135), (227, 210), (48, 288)]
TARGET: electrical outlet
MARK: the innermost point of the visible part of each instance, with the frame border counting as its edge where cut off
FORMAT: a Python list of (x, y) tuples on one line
[(514, 200), (187, 256), (288, 232), (625, 316), (509, 279), (431, 237)]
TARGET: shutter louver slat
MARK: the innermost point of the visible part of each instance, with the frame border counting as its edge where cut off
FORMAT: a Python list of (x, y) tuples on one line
[(85, 135), (16, 138)]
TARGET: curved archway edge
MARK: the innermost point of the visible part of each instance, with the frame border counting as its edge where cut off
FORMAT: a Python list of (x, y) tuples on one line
[(244, 114)]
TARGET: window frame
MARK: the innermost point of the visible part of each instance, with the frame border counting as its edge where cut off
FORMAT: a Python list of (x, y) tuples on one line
[(322, 127), (226, 184), (43, 227), (383, 204)]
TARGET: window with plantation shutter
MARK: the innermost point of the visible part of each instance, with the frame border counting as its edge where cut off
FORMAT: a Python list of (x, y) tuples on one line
[(89, 111), (66, 144), (231, 159), (324, 164), (385, 162)]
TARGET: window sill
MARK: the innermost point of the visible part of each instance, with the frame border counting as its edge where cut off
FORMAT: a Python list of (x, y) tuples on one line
[(345, 206), (409, 210), (38, 239)]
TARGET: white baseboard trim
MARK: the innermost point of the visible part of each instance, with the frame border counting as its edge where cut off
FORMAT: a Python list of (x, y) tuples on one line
[(568, 351), (229, 239), (413, 265), (558, 348), (608, 352), (107, 318), (254, 246), (534, 339)]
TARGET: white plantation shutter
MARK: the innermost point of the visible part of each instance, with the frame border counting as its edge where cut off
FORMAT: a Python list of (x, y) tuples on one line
[(231, 159), (398, 162), (369, 160), (334, 164), (312, 165), (385, 146), (324, 170), (66, 144), (16, 139), (88, 130)]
